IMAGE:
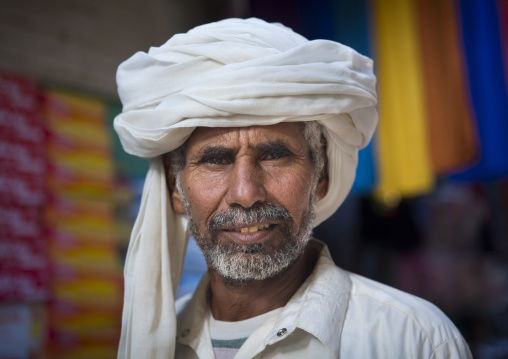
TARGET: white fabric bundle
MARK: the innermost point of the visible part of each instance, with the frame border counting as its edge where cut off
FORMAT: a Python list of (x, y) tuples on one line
[(230, 73)]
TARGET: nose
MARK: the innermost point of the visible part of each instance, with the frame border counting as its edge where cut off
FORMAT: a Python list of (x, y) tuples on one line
[(245, 184)]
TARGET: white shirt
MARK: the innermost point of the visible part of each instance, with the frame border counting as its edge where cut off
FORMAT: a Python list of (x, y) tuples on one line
[(334, 314)]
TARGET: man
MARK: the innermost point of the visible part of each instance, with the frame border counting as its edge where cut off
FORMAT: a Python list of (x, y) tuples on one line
[(252, 133)]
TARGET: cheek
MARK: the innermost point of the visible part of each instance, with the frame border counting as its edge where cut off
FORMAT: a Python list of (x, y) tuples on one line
[(291, 190), (204, 193)]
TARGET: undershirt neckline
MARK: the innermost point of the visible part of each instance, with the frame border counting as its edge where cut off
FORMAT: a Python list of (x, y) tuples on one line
[(222, 330)]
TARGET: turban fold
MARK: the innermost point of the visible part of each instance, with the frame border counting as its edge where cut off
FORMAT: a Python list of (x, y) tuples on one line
[(231, 73)]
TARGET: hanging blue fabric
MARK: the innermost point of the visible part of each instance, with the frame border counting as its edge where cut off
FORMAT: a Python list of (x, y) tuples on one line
[(317, 19), (480, 27)]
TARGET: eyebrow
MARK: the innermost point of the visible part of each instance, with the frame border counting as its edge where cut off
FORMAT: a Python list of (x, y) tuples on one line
[(212, 151), (218, 151), (273, 146)]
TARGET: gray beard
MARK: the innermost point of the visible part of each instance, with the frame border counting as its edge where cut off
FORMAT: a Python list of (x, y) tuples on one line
[(240, 263)]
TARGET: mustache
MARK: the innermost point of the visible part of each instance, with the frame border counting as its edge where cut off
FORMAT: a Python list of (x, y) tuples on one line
[(238, 216)]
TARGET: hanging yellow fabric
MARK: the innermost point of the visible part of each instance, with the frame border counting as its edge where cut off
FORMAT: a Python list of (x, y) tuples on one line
[(404, 167), (449, 111)]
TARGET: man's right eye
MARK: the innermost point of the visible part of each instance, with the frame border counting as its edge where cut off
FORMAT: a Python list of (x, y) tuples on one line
[(218, 161)]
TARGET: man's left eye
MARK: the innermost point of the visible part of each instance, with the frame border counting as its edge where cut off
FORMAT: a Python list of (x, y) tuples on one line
[(276, 155)]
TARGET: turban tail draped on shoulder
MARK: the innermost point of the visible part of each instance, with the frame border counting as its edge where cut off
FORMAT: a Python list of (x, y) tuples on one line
[(226, 74)]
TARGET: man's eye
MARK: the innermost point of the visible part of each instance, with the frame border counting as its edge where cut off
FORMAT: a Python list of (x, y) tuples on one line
[(217, 156), (275, 155), (216, 160)]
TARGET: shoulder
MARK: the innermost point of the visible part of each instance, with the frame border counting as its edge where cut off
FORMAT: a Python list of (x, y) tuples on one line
[(397, 320), (378, 295)]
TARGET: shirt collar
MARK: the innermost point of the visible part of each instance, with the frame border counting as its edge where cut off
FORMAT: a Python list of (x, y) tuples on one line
[(319, 306)]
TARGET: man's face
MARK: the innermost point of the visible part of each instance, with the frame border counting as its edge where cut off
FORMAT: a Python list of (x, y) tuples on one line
[(247, 192)]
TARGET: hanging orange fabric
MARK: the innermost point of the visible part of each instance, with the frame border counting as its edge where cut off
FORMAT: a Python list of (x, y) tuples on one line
[(452, 140), (404, 167)]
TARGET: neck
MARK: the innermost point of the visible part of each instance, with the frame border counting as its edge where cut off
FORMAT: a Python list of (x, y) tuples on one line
[(233, 302)]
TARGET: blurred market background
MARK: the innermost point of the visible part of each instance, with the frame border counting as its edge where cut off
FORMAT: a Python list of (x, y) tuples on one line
[(429, 209)]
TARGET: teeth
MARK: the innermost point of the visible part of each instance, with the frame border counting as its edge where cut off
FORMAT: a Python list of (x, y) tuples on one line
[(252, 229)]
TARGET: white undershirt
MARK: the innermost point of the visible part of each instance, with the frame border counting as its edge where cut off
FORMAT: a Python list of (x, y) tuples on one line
[(227, 337)]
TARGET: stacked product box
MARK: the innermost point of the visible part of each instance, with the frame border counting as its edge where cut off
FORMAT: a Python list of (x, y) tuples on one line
[(24, 265), (86, 282)]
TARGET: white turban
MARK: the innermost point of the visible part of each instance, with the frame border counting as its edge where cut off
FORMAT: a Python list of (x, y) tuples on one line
[(226, 74)]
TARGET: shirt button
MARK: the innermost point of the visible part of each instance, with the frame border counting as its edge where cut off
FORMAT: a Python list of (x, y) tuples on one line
[(185, 333), (282, 332)]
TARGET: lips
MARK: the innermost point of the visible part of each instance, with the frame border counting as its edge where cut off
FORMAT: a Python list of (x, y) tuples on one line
[(251, 228), (251, 233)]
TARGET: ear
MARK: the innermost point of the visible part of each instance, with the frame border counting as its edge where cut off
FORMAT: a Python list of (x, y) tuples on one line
[(322, 186), (174, 196)]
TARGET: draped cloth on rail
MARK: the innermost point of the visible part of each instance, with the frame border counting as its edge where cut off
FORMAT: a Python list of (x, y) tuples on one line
[(487, 79), (226, 74), (448, 107), (404, 166)]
